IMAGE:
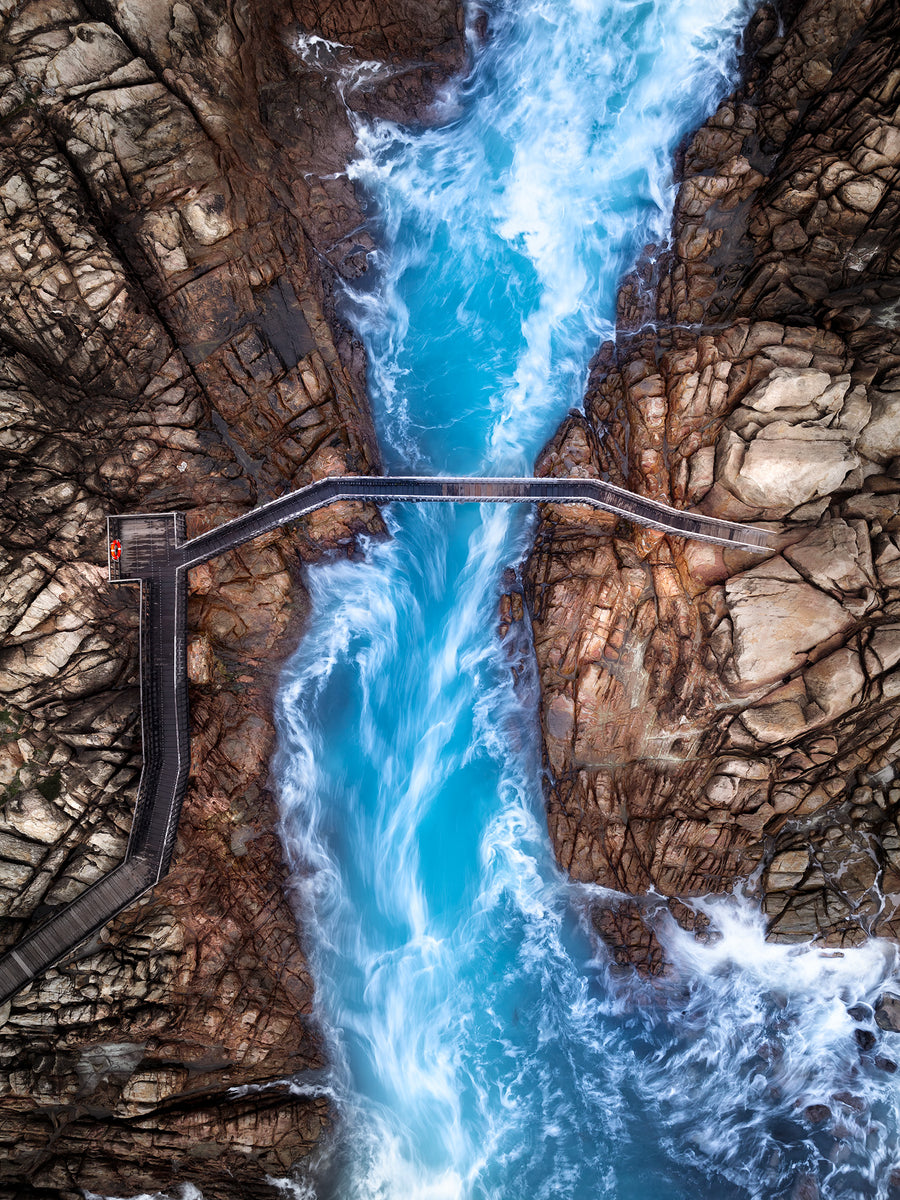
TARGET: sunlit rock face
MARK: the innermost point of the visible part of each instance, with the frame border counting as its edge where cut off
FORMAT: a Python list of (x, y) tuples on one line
[(173, 215), (710, 717)]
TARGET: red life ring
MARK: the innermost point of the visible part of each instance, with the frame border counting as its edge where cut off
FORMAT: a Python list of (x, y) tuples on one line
[(115, 550)]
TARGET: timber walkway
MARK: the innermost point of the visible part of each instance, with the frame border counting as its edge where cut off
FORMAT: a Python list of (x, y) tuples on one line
[(150, 549)]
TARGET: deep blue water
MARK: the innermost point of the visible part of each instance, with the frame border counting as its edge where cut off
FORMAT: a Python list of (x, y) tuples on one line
[(481, 1046)]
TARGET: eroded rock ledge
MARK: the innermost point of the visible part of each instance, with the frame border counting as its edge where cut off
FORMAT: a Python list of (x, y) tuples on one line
[(172, 218), (709, 717)]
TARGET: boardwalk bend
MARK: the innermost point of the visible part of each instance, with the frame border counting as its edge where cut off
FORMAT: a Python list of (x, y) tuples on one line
[(150, 549)]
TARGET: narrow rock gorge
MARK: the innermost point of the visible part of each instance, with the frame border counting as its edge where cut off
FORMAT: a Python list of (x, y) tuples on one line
[(173, 218), (710, 717)]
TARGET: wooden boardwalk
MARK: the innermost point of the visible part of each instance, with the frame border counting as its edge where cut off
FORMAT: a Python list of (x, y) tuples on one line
[(150, 549)]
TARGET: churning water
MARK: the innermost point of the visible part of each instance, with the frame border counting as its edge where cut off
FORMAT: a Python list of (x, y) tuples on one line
[(480, 1048)]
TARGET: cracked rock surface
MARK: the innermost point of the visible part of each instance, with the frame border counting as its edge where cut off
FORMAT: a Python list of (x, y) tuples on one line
[(173, 216), (709, 717)]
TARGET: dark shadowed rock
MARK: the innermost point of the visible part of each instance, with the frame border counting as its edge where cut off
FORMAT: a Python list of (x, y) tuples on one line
[(816, 1114), (860, 1012), (887, 1012), (856, 1103), (805, 1188)]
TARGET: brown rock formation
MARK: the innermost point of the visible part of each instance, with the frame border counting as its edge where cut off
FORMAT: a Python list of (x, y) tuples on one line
[(168, 340), (706, 714)]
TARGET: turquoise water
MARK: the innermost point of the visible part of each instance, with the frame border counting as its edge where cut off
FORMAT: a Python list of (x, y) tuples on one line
[(482, 1048)]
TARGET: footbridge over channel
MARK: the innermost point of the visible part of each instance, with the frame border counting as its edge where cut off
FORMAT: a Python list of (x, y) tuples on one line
[(151, 550)]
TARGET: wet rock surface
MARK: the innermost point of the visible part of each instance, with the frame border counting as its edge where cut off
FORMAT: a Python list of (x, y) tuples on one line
[(710, 717), (887, 1012), (173, 216)]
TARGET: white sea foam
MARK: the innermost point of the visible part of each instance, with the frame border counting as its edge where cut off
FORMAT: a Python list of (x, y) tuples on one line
[(553, 184), (337, 62), (760, 1033)]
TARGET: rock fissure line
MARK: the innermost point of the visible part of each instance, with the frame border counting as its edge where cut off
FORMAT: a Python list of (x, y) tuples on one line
[(150, 550)]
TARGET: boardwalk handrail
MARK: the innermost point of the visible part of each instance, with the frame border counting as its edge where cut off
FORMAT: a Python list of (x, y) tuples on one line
[(151, 549), (514, 489)]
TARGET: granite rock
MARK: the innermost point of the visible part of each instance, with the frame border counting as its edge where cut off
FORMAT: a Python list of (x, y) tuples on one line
[(173, 218), (706, 713)]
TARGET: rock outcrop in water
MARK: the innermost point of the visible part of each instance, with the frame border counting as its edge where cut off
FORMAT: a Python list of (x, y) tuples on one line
[(173, 213), (709, 717)]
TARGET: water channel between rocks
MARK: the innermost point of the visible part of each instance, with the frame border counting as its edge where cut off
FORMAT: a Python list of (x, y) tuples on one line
[(480, 1048)]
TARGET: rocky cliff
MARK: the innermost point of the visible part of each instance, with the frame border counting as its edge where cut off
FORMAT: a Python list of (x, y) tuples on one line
[(173, 216), (708, 716)]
